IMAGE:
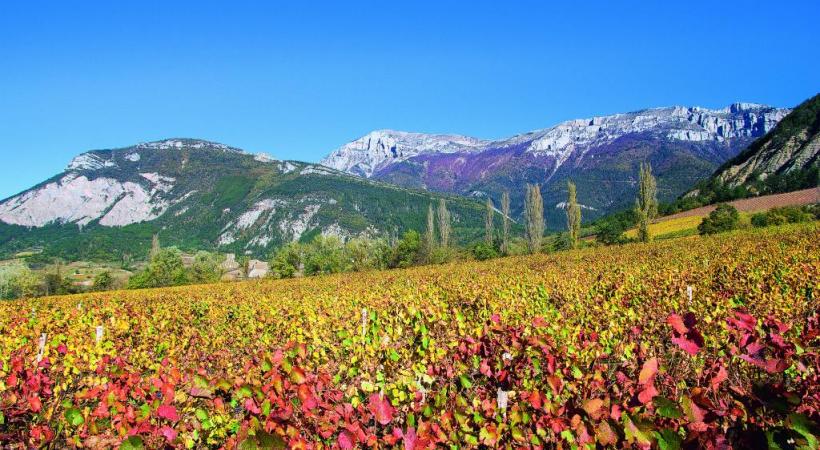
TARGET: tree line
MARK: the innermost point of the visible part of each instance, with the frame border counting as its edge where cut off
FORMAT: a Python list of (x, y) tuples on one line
[(331, 254)]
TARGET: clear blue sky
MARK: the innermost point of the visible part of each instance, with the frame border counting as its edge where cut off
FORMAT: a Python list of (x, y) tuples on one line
[(299, 79)]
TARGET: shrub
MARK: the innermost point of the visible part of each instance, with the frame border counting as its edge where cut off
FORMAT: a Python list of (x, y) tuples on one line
[(783, 215), (610, 233), (103, 281), (406, 252), (16, 281), (724, 218), (165, 269), (483, 251), (287, 262)]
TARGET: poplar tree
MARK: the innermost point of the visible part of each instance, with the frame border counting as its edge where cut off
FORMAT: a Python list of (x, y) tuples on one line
[(430, 234), (443, 223), (488, 223), (646, 205), (155, 247), (534, 213), (505, 212), (573, 215)]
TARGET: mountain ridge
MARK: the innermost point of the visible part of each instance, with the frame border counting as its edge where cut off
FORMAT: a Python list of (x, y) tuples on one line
[(201, 194), (684, 145)]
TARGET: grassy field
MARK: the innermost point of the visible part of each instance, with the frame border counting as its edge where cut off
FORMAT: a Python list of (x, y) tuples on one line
[(590, 347)]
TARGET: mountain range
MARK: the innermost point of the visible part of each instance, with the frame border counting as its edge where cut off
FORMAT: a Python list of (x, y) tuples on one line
[(200, 194), (203, 195), (601, 154)]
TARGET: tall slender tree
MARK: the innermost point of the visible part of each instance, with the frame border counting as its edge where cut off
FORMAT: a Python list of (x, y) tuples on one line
[(646, 205), (534, 225), (430, 233), (444, 223), (505, 213), (155, 247), (573, 215), (488, 223)]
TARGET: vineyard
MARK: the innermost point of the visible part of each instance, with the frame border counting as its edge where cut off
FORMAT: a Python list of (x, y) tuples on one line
[(687, 343)]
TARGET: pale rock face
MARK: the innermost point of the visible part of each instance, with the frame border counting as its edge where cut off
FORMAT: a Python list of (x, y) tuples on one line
[(563, 205), (685, 124), (76, 199), (295, 227), (133, 157), (161, 183), (249, 218), (263, 158), (287, 167), (370, 153), (176, 144), (71, 199), (316, 170), (135, 206), (89, 161), (379, 149), (335, 230)]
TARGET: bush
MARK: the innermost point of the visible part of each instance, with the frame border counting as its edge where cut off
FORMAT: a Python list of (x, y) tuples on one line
[(483, 251), (724, 218), (406, 252), (165, 269), (324, 254), (287, 262), (17, 281), (206, 268), (103, 281), (786, 214), (610, 233)]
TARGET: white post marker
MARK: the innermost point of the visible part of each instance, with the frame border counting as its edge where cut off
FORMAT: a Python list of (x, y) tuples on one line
[(689, 293), (501, 399), (41, 347), (364, 322), (99, 333)]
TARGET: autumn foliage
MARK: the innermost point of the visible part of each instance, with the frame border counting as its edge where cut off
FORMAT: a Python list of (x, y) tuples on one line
[(516, 352)]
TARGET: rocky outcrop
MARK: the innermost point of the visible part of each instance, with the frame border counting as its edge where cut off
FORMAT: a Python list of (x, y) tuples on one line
[(790, 148)]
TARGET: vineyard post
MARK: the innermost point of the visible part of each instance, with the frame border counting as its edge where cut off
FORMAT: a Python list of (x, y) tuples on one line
[(689, 295), (501, 398), (364, 328), (99, 333), (41, 347)]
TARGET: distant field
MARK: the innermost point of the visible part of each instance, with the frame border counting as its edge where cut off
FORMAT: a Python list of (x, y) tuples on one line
[(600, 346), (665, 227), (686, 223), (763, 203)]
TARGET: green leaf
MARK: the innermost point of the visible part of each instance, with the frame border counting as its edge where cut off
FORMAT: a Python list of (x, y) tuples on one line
[(201, 414), (132, 443), (262, 440), (637, 431), (668, 439), (667, 408), (465, 382), (2, 418), (803, 425), (74, 417)]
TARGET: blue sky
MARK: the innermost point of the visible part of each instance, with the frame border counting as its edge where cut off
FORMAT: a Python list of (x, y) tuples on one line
[(298, 79)]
